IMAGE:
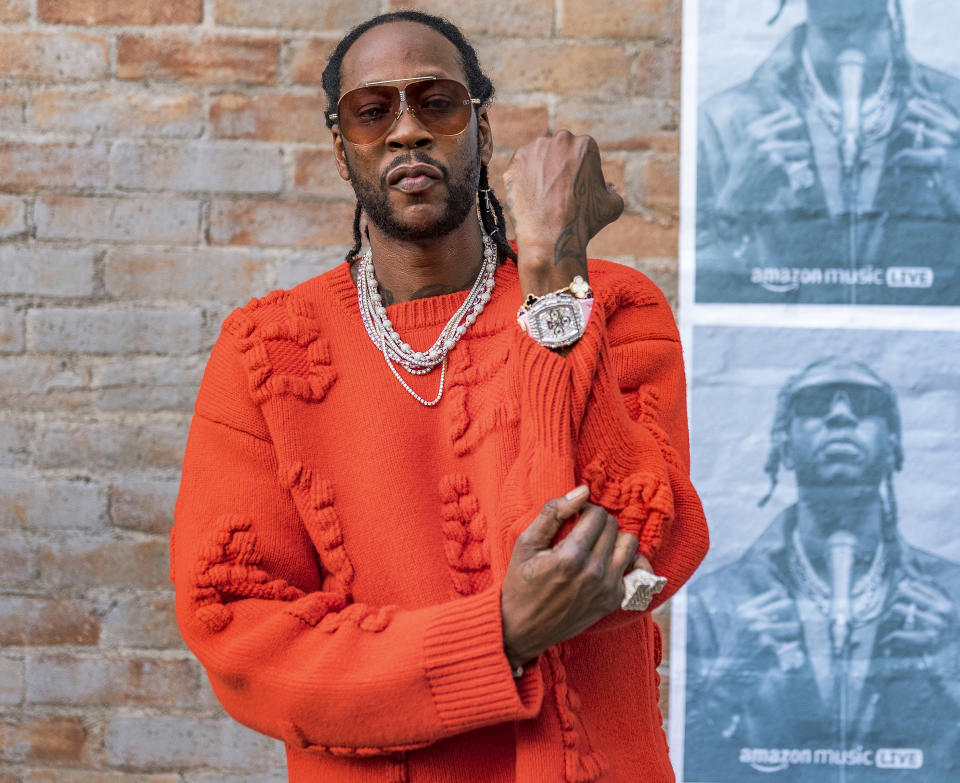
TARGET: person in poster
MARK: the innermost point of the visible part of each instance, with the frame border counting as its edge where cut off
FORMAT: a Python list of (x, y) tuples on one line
[(830, 650), (832, 175)]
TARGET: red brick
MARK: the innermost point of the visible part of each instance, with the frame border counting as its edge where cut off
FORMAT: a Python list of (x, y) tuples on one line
[(283, 223), (46, 621), (75, 561), (110, 112), (514, 125), (46, 739), (316, 172), (282, 117), (53, 166), (659, 19), (636, 237), (155, 219), (143, 504), (654, 181), (122, 445), (563, 68), (303, 14), (141, 620), (213, 60), (658, 72), (627, 125), (86, 680), (53, 57), (506, 18), (11, 329), (310, 58), (11, 110), (14, 10), (197, 166), (13, 216), (120, 12)]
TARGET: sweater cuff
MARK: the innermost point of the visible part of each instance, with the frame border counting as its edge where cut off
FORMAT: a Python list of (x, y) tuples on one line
[(467, 668)]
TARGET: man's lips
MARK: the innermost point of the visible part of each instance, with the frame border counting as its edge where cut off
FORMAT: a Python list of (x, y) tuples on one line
[(414, 179)]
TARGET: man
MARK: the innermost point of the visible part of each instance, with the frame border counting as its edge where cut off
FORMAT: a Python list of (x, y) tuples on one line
[(833, 174), (831, 638), (405, 515)]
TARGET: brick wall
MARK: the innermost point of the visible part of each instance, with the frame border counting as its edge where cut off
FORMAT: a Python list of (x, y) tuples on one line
[(160, 163)]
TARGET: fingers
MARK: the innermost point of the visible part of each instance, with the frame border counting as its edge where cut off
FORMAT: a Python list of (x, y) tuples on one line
[(625, 555), (924, 596), (933, 114), (539, 533), (778, 123), (578, 544)]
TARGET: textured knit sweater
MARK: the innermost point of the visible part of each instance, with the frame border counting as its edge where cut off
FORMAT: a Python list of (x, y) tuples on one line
[(339, 548)]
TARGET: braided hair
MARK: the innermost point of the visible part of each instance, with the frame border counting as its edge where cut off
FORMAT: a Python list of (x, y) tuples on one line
[(479, 85)]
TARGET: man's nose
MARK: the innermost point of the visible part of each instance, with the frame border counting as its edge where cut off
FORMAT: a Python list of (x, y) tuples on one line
[(841, 410), (408, 132)]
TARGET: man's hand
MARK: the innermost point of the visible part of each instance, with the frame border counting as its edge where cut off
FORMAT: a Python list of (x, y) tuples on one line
[(774, 152), (933, 134), (552, 593), (921, 620), (771, 630), (559, 200)]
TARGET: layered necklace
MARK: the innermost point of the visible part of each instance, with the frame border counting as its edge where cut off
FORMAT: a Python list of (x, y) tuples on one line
[(388, 341)]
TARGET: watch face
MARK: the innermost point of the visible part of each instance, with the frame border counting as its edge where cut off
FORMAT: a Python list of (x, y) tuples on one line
[(556, 321)]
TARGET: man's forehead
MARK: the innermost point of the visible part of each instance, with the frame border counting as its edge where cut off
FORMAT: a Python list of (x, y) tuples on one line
[(399, 50)]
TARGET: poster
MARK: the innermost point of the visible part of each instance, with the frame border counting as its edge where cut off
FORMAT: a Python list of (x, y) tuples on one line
[(820, 312), (828, 152)]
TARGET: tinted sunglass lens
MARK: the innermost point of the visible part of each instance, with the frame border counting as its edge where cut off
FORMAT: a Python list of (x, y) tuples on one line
[(443, 105), (818, 401), (366, 114)]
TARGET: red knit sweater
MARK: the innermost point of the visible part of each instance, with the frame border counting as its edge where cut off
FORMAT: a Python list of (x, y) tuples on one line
[(338, 547)]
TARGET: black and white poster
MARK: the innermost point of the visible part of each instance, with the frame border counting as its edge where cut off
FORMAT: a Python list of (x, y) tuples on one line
[(828, 152), (820, 313)]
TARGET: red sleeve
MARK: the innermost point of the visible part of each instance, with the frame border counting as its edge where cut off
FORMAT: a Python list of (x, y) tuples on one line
[(612, 414), (290, 658)]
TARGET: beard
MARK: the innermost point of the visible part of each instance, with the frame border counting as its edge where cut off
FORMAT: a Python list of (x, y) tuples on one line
[(373, 197)]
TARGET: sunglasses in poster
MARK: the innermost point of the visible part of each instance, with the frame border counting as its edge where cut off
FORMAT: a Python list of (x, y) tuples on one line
[(366, 114)]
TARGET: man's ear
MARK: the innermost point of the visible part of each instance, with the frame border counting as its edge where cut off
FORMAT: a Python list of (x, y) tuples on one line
[(340, 154), (486, 137), (786, 455)]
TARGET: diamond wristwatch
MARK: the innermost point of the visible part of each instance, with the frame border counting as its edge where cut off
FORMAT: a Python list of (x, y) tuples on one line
[(557, 319)]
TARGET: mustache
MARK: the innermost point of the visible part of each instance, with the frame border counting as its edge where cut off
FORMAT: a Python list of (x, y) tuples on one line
[(416, 156)]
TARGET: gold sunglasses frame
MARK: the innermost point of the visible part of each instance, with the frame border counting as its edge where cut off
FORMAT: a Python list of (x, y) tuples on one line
[(334, 116)]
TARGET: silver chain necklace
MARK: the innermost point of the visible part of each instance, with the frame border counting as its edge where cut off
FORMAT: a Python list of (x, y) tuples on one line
[(395, 351)]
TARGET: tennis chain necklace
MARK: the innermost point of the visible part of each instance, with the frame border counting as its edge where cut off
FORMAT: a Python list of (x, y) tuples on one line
[(395, 350), (866, 596), (878, 111)]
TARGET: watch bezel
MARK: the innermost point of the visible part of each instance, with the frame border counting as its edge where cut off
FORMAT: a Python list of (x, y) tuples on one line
[(553, 302)]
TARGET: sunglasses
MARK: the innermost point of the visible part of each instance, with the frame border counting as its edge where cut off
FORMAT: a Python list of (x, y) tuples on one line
[(817, 401), (366, 114)]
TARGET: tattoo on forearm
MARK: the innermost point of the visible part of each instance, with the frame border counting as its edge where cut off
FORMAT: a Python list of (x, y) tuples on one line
[(588, 190), (526, 572)]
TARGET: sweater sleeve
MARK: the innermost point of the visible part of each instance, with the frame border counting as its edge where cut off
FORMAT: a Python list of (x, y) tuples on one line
[(289, 654), (612, 414)]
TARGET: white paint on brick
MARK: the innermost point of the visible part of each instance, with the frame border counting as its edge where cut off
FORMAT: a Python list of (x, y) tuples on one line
[(51, 504), (112, 330), (118, 219), (47, 270), (11, 329), (11, 681), (295, 268), (158, 742), (222, 167), (25, 378), (143, 503), (149, 383), (143, 620), (16, 557)]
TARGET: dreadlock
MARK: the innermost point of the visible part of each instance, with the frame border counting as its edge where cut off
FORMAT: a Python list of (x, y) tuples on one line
[(479, 86)]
